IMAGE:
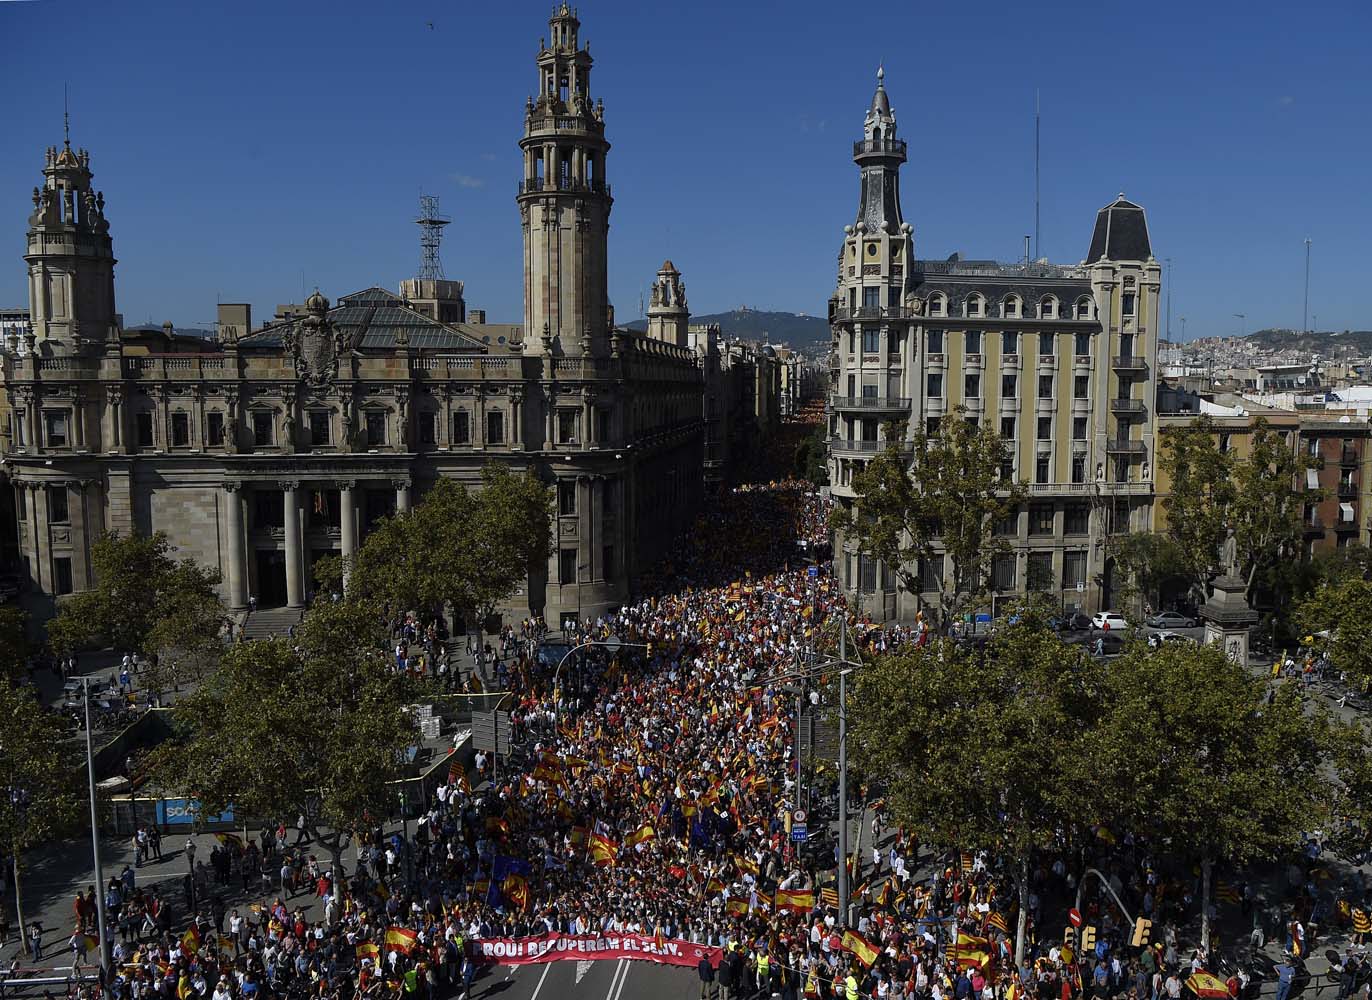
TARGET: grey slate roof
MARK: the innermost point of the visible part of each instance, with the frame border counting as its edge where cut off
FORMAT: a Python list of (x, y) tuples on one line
[(369, 321), (1121, 233)]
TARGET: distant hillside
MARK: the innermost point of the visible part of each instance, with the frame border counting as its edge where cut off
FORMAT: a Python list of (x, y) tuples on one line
[(801, 332), (1325, 342)]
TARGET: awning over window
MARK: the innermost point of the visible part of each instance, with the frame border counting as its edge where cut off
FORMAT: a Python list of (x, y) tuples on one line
[(1346, 513)]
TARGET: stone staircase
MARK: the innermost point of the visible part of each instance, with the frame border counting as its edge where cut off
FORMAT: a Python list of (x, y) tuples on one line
[(267, 622)]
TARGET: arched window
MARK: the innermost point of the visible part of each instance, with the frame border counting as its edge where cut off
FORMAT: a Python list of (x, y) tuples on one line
[(1084, 307), (1010, 308), (938, 304), (1048, 307), (975, 305)]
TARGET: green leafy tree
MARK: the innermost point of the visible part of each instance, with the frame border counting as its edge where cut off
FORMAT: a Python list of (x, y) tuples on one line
[(469, 550), (1191, 751), (1149, 566), (1214, 490), (939, 495), (1338, 618), (146, 601), (314, 727), (975, 751), (40, 790), (1352, 802), (14, 643)]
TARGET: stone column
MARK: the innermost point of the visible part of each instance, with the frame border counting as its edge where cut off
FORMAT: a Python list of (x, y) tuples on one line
[(295, 584), (402, 495), (237, 557), (347, 526), (78, 419)]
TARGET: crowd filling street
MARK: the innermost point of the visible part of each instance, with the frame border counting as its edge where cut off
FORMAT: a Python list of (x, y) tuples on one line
[(652, 799)]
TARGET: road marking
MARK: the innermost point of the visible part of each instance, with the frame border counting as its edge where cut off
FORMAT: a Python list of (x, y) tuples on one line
[(582, 967), (610, 994), (623, 979), (546, 969)]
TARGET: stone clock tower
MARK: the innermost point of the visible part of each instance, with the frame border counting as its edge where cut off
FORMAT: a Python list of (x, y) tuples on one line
[(564, 202)]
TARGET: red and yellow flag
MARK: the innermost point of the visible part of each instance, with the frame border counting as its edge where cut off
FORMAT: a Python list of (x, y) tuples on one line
[(642, 835), (368, 950), (516, 890), (579, 834), (865, 950), (190, 941), (799, 901), (970, 952), (604, 851), (737, 907), (401, 939)]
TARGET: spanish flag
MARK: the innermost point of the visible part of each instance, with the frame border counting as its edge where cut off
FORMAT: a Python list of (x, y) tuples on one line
[(579, 834), (865, 950), (92, 942), (190, 941), (367, 950), (229, 840), (800, 901), (737, 907), (604, 851), (746, 864), (400, 939), (714, 885), (642, 835), (1207, 987)]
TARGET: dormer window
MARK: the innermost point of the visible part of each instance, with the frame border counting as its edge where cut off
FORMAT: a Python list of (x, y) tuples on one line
[(1083, 308), (937, 305), (1048, 307), (974, 305), (1010, 308)]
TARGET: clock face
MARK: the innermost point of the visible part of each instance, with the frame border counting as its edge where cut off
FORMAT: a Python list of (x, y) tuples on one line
[(871, 249)]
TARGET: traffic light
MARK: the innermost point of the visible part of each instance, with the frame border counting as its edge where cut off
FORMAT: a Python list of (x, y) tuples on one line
[(1069, 935), (1141, 928), (1088, 939)]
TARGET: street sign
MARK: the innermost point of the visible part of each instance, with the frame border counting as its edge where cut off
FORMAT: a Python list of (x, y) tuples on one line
[(798, 816), (491, 731), (799, 832), (1081, 588), (812, 572), (1074, 917), (983, 617)]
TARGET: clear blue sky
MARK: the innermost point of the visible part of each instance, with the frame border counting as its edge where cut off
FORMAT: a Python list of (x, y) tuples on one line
[(241, 144)]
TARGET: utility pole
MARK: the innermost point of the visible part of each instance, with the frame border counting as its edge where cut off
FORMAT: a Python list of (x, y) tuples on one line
[(1305, 311), (95, 832), (843, 769), (1183, 329), (1168, 262)]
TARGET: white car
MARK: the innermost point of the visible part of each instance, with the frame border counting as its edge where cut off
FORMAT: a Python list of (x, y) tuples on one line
[(1109, 620)]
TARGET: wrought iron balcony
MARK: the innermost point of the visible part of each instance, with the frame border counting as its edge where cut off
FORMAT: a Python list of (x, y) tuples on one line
[(870, 402), (873, 312), (1128, 363), (1124, 447), (890, 147), (1126, 406)]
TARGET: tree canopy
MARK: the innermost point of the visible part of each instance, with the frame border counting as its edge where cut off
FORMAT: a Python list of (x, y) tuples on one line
[(40, 767), (976, 751), (314, 727), (1215, 489), (938, 496), (14, 643), (145, 601), (466, 549), (1190, 751), (1338, 618)]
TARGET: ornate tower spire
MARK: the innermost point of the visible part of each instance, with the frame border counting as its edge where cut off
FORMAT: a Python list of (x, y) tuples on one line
[(564, 200), (70, 254), (668, 314), (880, 155)]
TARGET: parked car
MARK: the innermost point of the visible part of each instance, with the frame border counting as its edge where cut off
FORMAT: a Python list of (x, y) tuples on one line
[(72, 698), (1170, 619), (1110, 620), (1076, 621)]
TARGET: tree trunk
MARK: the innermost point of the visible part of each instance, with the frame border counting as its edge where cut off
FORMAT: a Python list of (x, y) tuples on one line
[(1022, 918), (18, 900), (1206, 864)]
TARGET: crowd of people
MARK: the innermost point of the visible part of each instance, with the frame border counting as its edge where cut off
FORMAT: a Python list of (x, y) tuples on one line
[(654, 793)]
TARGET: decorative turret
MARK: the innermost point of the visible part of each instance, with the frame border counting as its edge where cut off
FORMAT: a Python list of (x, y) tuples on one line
[(70, 256), (880, 155), (564, 200), (668, 314)]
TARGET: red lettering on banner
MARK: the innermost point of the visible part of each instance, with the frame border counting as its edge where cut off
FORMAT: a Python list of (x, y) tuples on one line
[(560, 947)]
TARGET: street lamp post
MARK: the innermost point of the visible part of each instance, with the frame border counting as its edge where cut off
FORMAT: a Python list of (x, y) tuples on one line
[(1305, 311), (610, 644), (95, 831)]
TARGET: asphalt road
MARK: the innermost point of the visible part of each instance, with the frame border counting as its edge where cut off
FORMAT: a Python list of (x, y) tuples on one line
[(604, 979)]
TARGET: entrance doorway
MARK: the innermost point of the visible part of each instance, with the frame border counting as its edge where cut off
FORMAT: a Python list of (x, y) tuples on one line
[(271, 578)]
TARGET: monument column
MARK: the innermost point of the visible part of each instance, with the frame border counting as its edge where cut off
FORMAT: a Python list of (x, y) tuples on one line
[(233, 504), (402, 495), (347, 526), (295, 588)]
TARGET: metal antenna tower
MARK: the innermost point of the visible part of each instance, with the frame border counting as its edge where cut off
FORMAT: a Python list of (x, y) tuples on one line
[(430, 224)]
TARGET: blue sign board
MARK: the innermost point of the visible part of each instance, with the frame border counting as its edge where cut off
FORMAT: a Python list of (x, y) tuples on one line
[(813, 572), (174, 812), (799, 831)]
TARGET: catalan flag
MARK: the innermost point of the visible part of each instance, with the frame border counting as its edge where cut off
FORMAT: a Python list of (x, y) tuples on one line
[(1227, 893), (604, 851), (865, 950), (968, 862), (970, 952), (368, 950), (225, 943), (401, 939), (800, 901), (746, 864), (457, 775), (997, 920), (829, 898), (229, 840), (642, 835), (516, 890)]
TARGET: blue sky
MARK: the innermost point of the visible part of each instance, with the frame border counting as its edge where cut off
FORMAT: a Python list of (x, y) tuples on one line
[(242, 145)]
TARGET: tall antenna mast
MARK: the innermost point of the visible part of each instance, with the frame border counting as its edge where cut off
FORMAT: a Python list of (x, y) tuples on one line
[(66, 114), (1036, 174), (430, 224)]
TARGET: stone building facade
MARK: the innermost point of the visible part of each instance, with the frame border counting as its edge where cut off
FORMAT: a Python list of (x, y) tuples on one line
[(1059, 358), (261, 450)]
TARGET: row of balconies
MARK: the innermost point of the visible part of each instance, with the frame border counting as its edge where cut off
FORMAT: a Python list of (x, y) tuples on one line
[(1113, 446), (874, 404)]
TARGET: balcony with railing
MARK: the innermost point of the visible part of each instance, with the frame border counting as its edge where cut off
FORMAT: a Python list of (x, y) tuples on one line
[(873, 312), (1118, 446), (1347, 490), (1349, 456), (886, 147), (870, 402), (534, 185), (1126, 406), (1128, 363), (841, 446)]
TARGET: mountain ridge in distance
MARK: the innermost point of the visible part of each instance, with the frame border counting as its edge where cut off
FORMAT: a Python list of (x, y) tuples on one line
[(800, 331)]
